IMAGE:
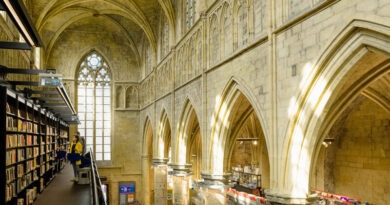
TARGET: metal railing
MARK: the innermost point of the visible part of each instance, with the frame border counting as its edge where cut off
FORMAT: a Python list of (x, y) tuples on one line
[(98, 197)]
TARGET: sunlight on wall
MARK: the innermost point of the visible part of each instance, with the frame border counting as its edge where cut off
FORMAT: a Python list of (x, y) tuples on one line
[(182, 149), (316, 92), (293, 107), (306, 71), (322, 103), (213, 119), (301, 178), (223, 117), (295, 177), (160, 141)]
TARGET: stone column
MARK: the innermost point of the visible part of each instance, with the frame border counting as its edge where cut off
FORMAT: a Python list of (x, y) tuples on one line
[(160, 181), (146, 179), (181, 176)]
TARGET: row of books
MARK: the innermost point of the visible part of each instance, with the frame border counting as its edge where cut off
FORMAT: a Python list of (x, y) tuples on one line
[(31, 140), (31, 165), (20, 140), (31, 195), (10, 174), (21, 154), (32, 152), (51, 130), (14, 124), (20, 170), (10, 157), (11, 124), (10, 191)]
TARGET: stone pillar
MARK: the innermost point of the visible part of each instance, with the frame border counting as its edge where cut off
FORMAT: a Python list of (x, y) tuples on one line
[(181, 176), (146, 179), (160, 181), (213, 189)]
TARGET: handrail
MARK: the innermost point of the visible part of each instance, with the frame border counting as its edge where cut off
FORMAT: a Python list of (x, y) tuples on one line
[(96, 184)]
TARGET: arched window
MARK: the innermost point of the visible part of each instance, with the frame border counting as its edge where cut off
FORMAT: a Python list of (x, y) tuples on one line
[(94, 105)]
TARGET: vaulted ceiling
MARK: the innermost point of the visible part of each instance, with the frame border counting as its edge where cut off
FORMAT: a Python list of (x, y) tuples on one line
[(135, 19)]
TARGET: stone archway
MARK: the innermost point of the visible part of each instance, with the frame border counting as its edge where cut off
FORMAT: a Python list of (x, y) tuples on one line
[(147, 171), (235, 108), (186, 145), (356, 58)]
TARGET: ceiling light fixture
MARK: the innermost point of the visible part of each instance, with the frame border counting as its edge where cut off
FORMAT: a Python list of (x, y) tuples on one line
[(19, 16)]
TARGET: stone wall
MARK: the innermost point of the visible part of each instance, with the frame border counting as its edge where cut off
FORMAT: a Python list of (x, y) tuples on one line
[(362, 163)]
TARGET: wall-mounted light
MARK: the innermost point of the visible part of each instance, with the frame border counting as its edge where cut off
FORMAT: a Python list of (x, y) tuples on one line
[(253, 140), (327, 142)]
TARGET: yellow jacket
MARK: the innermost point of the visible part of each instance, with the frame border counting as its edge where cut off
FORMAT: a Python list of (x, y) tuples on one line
[(78, 149)]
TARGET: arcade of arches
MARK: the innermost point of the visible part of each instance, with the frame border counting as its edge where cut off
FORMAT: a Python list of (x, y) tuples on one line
[(299, 89)]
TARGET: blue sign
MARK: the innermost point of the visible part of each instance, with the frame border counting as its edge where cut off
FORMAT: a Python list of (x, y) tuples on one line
[(127, 189)]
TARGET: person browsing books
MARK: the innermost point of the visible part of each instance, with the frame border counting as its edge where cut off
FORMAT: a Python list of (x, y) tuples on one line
[(74, 156)]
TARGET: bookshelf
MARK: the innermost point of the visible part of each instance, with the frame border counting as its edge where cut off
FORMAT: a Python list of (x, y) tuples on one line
[(28, 143)]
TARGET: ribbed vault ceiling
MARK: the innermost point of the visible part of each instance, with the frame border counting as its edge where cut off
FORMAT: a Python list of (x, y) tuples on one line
[(135, 19)]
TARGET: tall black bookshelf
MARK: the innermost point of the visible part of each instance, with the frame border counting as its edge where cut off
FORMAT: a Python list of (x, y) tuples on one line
[(28, 145)]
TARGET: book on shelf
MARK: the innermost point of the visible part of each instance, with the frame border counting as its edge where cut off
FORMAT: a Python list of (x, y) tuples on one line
[(22, 126), (21, 154), (10, 191), (20, 170), (11, 124), (10, 174), (30, 165), (29, 127), (29, 140), (41, 185), (20, 201), (7, 108), (36, 151), (35, 128), (29, 152), (11, 141), (10, 157), (21, 140), (36, 177), (29, 116)]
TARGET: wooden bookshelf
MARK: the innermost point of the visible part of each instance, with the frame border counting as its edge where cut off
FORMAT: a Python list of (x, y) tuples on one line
[(28, 143)]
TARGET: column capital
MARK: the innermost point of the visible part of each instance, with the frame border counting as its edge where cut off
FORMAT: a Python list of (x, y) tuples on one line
[(216, 180), (160, 161), (181, 169)]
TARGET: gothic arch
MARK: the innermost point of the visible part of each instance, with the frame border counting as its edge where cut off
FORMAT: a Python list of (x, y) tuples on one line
[(119, 97), (147, 153), (186, 122), (163, 141), (328, 90), (233, 94)]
